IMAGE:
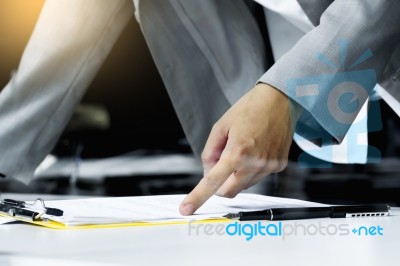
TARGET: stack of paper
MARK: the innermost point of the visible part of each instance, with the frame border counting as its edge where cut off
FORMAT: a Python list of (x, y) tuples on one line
[(150, 210)]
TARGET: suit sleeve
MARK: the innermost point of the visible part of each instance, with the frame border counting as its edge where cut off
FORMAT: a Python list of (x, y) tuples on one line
[(332, 69)]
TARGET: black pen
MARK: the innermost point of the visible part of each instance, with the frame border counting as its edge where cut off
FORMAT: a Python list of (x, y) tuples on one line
[(280, 214)]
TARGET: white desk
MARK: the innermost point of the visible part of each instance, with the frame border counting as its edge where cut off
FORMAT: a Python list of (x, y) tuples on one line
[(171, 245)]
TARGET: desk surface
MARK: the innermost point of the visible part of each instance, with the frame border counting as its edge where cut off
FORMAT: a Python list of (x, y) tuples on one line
[(172, 245)]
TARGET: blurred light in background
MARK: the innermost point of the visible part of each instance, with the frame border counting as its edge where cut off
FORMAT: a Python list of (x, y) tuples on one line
[(17, 20)]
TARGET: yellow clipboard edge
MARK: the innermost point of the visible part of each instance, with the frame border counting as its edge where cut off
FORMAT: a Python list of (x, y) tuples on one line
[(47, 223), (142, 224), (56, 225)]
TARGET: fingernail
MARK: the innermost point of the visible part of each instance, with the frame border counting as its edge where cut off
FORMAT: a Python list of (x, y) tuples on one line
[(187, 209)]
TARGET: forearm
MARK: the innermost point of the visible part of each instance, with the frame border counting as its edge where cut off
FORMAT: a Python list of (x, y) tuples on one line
[(364, 26)]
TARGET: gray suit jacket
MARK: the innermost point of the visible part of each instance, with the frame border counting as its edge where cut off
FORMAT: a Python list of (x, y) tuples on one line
[(390, 78), (209, 53), (346, 31)]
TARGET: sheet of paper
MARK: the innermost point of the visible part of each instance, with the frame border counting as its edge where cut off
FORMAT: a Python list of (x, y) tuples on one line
[(160, 208)]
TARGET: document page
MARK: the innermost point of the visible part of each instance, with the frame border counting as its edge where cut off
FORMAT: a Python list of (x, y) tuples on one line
[(160, 208)]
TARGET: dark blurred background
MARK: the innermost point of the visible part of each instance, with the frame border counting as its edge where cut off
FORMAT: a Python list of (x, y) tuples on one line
[(129, 92)]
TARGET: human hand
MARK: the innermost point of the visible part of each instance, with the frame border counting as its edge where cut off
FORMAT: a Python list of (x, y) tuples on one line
[(250, 141)]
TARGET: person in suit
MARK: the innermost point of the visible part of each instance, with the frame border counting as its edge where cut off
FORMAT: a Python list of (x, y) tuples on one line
[(210, 55), (252, 138)]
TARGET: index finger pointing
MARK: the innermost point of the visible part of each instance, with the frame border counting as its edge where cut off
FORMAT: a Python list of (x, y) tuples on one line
[(207, 187)]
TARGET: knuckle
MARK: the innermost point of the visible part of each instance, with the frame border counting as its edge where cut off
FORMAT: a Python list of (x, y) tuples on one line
[(283, 165), (216, 127), (206, 157), (273, 166), (259, 163), (234, 159), (277, 166), (241, 151)]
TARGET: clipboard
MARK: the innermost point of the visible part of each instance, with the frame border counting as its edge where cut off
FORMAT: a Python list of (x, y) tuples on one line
[(37, 213), (115, 212), (26, 210)]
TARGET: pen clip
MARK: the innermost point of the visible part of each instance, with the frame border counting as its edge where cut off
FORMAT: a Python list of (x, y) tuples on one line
[(32, 211)]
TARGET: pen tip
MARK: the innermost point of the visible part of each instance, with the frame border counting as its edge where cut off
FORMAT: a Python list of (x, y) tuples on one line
[(232, 216)]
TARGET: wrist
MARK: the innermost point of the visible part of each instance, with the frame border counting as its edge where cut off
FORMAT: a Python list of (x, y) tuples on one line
[(281, 100)]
